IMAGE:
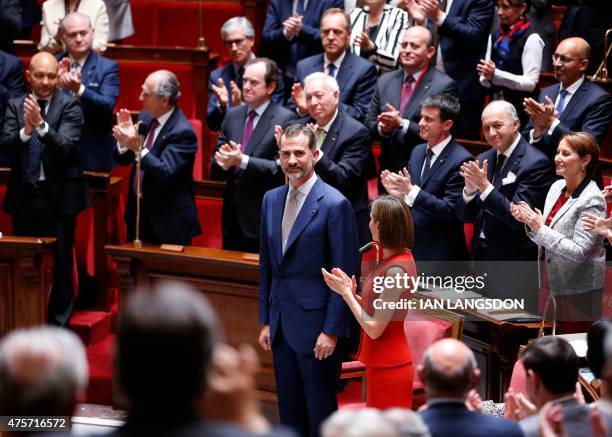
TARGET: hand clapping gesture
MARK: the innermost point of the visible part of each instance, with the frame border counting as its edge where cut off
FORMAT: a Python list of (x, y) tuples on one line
[(524, 214), (31, 114), (599, 225), (125, 131), (397, 184), (339, 282)]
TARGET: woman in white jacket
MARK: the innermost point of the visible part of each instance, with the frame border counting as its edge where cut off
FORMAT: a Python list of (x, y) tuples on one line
[(571, 258)]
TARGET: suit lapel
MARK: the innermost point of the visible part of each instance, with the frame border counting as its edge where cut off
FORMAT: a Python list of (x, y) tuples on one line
[(89, 68), (329, 143), (263, 126), (394, 92), (419, 159), (163, 134), (278, 210), (306, 214), (344, 73), (53, 111), (491, 157), (440, 160), (417, 95), (514, 161), (569, 108)]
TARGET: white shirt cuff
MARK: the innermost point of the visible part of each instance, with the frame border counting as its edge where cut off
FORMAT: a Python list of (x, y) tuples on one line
[(143, 152), (23, 136), (412, 195), (320, 155), (81, 90), (532, 139), (442, 18), (42, 131), (121, 149), (466, 198), (404, 127), (244, 161), (553, 126), (486, 192)]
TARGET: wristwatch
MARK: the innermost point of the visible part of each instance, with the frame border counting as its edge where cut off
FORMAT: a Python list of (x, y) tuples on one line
[(41, 125)]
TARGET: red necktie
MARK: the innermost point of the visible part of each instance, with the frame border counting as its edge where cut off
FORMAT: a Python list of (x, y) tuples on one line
[(148, 145), (406, 94)]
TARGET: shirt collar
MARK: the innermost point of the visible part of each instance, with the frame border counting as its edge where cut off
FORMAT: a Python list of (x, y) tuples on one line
[(438, 148), (81, 61), (261, 108), (510, 149), (573, 87), (305, 188), (435, 401), (163, 119), (416, 75), (330, 122), (46, 99), (337, 62)]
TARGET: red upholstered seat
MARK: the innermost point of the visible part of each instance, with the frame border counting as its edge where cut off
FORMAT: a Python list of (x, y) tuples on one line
[(6, 222), (518, 378), (198, 171), (209, 214)]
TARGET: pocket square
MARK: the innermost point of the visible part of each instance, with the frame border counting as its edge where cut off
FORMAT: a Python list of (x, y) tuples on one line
[(93, 84), (510, 178)]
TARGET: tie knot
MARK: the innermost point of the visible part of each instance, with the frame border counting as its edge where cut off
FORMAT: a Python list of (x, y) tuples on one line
[(429, 152), (409, 79), (252, 115), (563, 93), (153, 125), (41, 103), (501, 159), (293, 194), (331, 68)]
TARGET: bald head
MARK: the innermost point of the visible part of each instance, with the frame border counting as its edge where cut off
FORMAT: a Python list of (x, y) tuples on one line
[(570, 60), (500, 124), (449, 369), (42, 74), (416, 49)]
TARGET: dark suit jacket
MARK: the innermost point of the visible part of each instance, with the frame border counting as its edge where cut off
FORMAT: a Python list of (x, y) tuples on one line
[(100, 76), (356, 79), (11, 85), (463, 41), (533, 176), (245, 188), (454, 419), (62, 173), (290, 284), (167, 185), (438, 233), (10, 23), (347, 163), (277, 47), (589, 110), (214, 114), (396, 147)]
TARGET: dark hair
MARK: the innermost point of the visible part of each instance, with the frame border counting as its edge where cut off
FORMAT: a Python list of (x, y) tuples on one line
[(555, 362), (516, 3), (334, 11), (271, 74), (395, 228), (295, 130), (583, 143), (447, 104), (165, 341), (596, 336)]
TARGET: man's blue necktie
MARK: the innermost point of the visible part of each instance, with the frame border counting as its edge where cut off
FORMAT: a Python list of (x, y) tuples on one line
[(331, 70), (561, 103), (31, 171)]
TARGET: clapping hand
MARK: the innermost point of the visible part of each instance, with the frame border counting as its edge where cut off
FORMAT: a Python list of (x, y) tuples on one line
[(486, 69), (339, 282), (292, 25), (390, 119), (229, 155), (363, 40), (125, 131), (415, 11), (431, 9), (220, 93), (542, 115), (599, 225), (524, 214), (31, 114), (397, 184), (299, 98), (475, 176)]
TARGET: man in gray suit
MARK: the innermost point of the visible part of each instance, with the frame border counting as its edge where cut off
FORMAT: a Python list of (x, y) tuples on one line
[(551, 367), (246, 155), (395, 110)]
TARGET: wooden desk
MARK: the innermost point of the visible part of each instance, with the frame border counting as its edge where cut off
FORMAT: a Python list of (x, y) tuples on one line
[(26, 275)]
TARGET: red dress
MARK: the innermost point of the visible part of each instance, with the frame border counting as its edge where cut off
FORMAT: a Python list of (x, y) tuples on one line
[(388, 359)]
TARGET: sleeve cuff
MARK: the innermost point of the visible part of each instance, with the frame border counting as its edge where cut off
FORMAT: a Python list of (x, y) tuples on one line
[(486, 192), (244, 161), (442, 18), (412, 195), (405, 125), (81, 90), (553, 126), (42, 131), (143, 152), (121, 149), (23, 136), (468, 198)]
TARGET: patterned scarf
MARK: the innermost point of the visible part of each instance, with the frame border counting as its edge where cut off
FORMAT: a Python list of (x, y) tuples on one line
[(504, 37)]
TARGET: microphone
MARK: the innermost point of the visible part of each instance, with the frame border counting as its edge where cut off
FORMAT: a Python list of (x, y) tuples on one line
[(142, 133), (143, 128)]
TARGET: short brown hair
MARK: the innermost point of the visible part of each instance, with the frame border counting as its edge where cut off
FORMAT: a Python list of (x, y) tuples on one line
[(271, 74), (583, 143), (395, 228), (334, 11)]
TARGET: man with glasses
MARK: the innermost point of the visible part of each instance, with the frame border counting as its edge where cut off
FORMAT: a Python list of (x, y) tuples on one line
[(574, 104), (225, 83)]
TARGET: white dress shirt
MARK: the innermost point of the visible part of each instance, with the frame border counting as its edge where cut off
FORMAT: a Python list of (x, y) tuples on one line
[(162, 120), (304, 190)]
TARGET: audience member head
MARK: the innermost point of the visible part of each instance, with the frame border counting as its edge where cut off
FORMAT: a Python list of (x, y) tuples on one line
[(165, 342), (438, 114), (570, 60), (417, 49), (551, 368), (367, 422), (449, 369), (596, 337), (322, 96), (42, 74), (259, 81), (298, 151), (238, 36), (160, 92), (43, 372), (335, 32), (509, 11), (407, 422), (577, 156), (391, 223), (77, 34), (500, 124)]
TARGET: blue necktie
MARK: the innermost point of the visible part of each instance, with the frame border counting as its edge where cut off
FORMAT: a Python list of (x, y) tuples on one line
[(331, 70), (561, 103), (31, 170), (427, 164)]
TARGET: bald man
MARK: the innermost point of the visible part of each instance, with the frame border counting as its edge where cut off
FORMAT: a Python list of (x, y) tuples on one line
[(46, 189), (574, 104), (450, 371)]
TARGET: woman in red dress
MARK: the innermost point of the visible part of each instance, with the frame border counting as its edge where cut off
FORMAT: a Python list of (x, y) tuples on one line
[(383, 347)]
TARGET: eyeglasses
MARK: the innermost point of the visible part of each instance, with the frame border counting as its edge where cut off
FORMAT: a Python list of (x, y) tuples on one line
[(563, 59), (231, 42)]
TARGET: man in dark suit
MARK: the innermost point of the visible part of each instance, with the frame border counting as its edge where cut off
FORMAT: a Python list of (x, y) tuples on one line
[(345, 158), (395, 110), (246, 155), (46, 189), (306, 225), (462, 31), (94, 79), (225, 83), (168, 213), (432, 185), (574, 104), (291, 32), (356, 77), (11, 85), (10, 23), (449, 371), (512, 171)]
